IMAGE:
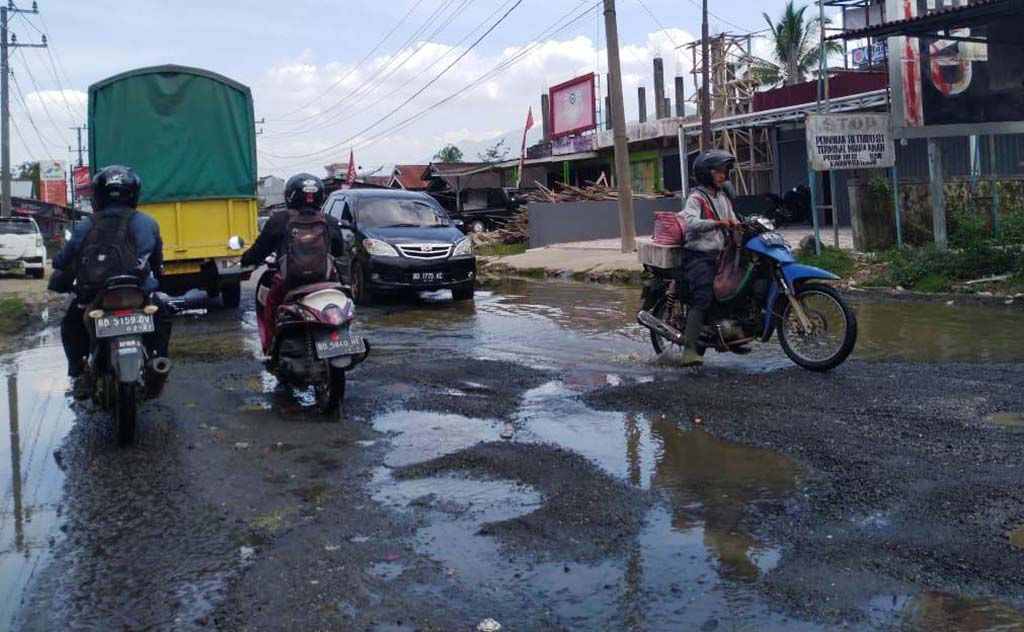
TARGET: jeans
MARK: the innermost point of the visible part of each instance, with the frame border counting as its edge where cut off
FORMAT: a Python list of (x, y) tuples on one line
[(700, 268)]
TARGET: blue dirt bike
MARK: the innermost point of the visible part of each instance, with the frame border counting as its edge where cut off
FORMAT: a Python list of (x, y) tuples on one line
[(815, 325)]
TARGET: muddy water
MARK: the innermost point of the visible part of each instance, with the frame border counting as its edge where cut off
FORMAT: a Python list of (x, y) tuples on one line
[(36, 415), (697, 556)]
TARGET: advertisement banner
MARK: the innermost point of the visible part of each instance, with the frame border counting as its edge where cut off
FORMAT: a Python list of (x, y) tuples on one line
[(573, 109), (81, 181), (52, 171), (849, 141)]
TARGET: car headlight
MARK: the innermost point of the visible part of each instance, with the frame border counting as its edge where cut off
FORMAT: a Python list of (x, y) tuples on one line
[(39, 241), (464, 247), (379, 248)]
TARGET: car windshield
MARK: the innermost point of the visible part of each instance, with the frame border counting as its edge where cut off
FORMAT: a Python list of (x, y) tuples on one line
[(14, 227), (397, 212)]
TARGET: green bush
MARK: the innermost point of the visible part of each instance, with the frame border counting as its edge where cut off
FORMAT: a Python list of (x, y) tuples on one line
[(968, 228), (1011, 224), (838, 262), (930, 269)]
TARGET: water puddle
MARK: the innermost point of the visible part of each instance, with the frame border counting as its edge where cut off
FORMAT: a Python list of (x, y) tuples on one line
[(1006, 420), (37, 417), (696, 556), (936, 332), (944, 612)]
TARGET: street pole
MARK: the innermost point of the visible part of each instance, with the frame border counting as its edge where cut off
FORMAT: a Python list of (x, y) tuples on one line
[(705, 91), (627, 224), (5, 110), (79, 129)]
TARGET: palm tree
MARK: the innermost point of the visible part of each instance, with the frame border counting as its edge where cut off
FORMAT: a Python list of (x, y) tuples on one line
[(795, 48)]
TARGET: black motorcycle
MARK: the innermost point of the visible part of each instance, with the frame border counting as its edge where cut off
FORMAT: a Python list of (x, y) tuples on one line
[(123, 373)]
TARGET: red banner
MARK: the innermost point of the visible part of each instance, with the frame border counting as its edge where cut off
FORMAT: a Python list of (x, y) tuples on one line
[(54, 192), (82, 182)]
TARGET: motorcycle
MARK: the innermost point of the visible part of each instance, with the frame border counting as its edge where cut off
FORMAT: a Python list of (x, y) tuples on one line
[(123, 374), (312, 344), (816, 327)]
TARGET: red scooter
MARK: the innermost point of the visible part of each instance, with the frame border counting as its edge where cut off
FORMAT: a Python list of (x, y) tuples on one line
[(309, 341)]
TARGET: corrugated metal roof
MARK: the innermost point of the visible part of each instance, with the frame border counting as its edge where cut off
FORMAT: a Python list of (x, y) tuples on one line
[(967, 11)]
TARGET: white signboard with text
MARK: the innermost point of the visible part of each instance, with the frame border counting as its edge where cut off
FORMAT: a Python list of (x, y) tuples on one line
[(849, 141)]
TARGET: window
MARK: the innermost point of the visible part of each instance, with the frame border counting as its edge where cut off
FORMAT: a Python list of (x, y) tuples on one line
[(346, 210), (388, 212), (17, 227)]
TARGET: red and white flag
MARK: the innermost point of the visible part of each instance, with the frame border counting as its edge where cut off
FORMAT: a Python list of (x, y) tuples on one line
[(522, 154), (350, 178)]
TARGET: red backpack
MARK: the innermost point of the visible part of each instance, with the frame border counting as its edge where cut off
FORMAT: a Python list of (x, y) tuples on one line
[(307, 253)]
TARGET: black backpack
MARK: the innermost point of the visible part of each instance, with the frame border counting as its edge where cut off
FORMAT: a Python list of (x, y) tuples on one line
[(107, 251), (307, 249)]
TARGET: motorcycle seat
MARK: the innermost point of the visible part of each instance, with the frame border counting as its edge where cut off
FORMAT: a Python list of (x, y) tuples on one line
[(306, 290)]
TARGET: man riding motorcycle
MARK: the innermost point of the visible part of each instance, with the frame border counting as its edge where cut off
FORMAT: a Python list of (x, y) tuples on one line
[(304, 195), (708, 214), (118, 227)]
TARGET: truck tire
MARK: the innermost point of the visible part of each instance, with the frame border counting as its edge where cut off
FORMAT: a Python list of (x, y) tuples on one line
[(36, 274), (231, 295)]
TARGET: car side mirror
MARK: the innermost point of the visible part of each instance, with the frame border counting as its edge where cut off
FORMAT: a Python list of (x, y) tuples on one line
[(236, 243), (458, 223)]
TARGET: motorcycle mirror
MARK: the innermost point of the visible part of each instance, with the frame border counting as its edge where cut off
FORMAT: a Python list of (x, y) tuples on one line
[(236, 243)]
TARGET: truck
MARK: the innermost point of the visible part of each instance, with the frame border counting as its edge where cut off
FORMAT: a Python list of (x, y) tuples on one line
[(190, 134)]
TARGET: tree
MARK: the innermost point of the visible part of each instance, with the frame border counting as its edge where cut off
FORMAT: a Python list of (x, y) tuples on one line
[(449, 153), (795, 47), (495, 153), (27, 171)]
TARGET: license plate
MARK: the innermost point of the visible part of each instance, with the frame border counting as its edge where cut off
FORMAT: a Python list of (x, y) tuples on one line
[(110, 326), (333, 344), (773, 239), (429, 277), (11, 265)]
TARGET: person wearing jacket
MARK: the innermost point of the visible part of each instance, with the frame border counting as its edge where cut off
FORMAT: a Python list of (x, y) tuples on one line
[(115, 191), (708, 214), (302, 192)]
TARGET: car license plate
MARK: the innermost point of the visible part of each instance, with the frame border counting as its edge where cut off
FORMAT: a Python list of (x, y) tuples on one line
[(11, 265), (333, 344), (429, 277), (110, 326), (773, 239)]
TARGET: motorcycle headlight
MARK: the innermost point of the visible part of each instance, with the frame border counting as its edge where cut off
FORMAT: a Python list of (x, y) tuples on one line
[(464, 247), (379, 248)]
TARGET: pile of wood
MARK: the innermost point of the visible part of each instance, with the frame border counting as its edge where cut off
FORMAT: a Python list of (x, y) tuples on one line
[(516, 230), (593, 192)]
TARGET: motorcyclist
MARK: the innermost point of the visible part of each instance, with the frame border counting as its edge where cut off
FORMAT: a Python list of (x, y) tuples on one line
[(115, 193), (303, 193), (708, 214)]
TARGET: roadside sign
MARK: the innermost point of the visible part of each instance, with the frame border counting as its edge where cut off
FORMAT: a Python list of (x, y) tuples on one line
[(849, 141)]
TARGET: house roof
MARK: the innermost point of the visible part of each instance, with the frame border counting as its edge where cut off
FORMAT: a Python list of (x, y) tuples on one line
[(410, 177), (977, 12)]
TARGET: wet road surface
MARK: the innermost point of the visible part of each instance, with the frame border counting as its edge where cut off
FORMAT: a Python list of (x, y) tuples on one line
[(632, 494)]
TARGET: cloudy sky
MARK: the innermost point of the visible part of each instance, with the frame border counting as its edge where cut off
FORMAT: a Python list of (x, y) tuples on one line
[(394, 81)]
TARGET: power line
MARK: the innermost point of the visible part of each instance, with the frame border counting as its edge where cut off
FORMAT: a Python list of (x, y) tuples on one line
[(24, 106), (349, 116), (56, 53), (363, 60), (39, 92), (417, 93)]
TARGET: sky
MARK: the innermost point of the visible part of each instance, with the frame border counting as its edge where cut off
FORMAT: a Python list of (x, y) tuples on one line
[(330, 77)]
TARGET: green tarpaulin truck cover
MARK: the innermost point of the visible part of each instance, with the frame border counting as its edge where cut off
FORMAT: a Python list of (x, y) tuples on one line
[(189, 133)]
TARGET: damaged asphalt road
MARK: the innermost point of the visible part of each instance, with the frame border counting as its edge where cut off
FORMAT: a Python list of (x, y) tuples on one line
[(884, 495)]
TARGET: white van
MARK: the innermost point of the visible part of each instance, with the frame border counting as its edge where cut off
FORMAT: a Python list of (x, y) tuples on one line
[(21, 247)]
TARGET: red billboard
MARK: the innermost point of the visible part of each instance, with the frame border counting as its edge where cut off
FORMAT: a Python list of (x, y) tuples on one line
[(53, 187), (573, 106), (81, 182)]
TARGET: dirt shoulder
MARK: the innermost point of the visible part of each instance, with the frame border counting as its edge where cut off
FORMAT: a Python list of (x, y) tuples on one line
[(26, 307)]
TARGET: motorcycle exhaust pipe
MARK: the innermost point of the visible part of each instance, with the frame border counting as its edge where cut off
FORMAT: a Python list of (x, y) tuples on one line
[(660, 327), (156, 376)]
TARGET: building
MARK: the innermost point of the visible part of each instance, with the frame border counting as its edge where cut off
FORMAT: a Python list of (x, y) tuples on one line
[(409, 177), (270, 191)]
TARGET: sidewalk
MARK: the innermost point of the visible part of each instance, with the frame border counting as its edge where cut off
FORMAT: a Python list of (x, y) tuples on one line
[(604, 256)]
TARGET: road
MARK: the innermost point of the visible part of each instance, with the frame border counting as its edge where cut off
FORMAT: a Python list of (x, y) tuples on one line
[(633, 495)]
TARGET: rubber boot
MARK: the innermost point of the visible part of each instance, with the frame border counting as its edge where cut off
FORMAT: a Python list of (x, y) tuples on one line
[(694, 325)]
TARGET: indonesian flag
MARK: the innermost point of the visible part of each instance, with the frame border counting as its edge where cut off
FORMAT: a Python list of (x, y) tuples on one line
[(350, 179), (522, 154)]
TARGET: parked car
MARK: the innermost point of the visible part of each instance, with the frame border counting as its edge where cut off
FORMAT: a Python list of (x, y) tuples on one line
[(501, 204), (21, 246), (401, 241)]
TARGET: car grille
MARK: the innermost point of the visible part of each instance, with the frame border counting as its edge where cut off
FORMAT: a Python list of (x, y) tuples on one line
[(425, 251)]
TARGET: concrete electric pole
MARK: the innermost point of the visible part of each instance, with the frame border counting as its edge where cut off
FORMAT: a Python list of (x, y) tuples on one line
[(79, 129), (705, 90), (5, 110), (627, 224)]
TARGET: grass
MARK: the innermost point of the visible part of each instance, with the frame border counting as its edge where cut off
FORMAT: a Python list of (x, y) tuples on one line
[(532, 273), (838, 262), (14, 314), (500, 250)]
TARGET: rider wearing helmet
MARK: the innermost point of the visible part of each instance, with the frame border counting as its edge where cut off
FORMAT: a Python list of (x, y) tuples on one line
[(115, 193), (303, 193), (708, 213)]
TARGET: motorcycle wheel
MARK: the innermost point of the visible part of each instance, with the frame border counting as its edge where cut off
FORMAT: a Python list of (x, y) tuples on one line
[(125, 411), (660, 344), (330, 395), (834, 329)]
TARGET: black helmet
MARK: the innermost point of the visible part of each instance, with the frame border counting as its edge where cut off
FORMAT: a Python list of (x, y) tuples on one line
[(304, 190), (115, 184), (712, 160)]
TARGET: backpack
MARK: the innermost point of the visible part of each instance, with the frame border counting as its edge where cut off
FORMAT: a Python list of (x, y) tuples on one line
[(106, 252), (306, 249)]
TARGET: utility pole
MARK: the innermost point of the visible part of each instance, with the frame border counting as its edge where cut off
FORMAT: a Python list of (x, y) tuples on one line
[(79, 129), (5, 110), (627, 224), (705, 91)]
